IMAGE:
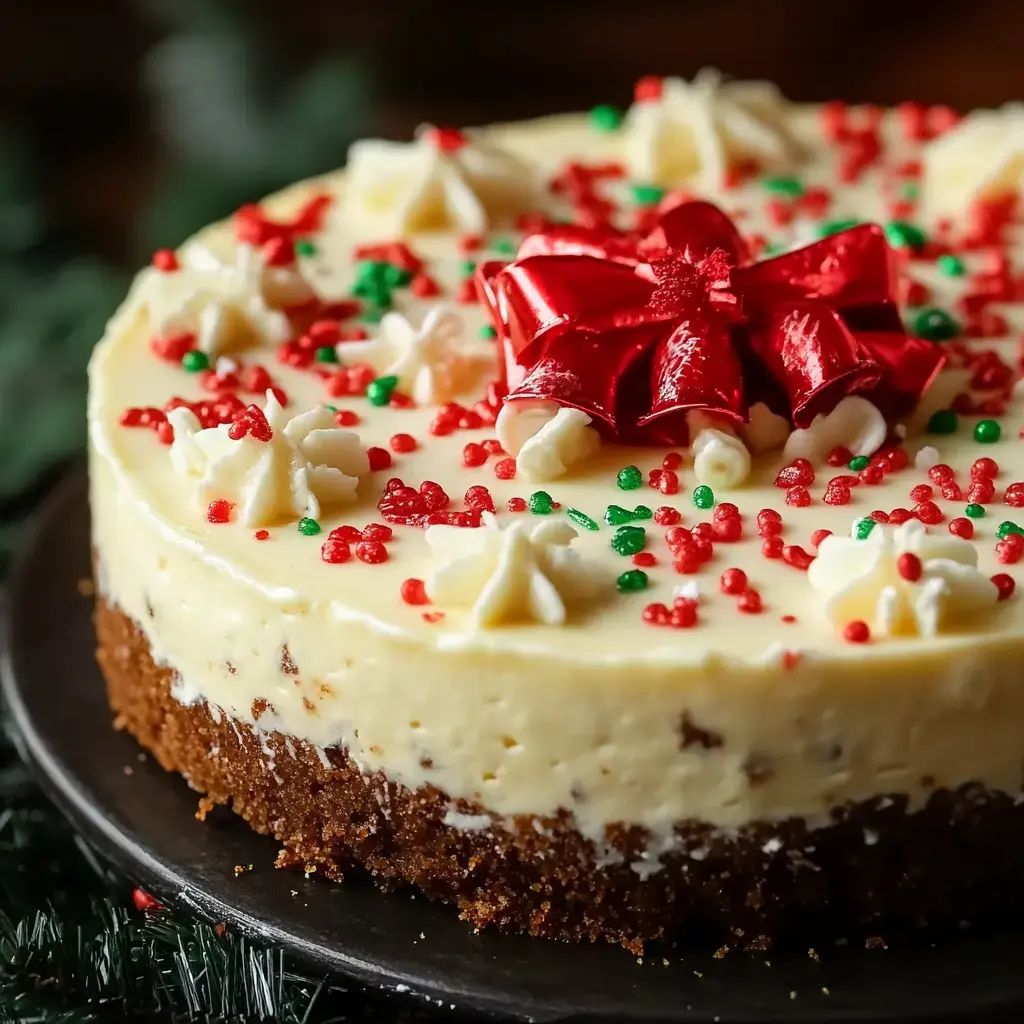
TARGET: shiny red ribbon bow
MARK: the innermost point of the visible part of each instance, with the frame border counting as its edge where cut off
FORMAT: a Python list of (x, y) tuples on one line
[(635, 333)]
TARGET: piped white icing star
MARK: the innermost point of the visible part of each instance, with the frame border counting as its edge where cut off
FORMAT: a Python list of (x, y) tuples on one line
[(526, 572), (696, 130), (228, 304), (854, 424), (981, 157), (860, 580), (443, 180), (308, 462), (433, 363)]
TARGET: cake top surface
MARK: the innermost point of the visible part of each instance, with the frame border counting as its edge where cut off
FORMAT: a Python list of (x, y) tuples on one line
[(522, 389)]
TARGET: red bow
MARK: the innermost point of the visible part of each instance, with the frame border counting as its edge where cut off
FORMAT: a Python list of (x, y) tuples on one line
[(636, 333)]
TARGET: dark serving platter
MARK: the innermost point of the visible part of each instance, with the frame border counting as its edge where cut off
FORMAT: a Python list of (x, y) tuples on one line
[(143, 819)]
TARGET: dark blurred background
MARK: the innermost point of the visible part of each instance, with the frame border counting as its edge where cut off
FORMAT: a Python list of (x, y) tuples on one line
[(126, 124)]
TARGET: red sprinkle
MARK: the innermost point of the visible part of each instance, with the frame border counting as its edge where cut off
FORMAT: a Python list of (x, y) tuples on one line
[(665, 515), (769, 522), (772, 547), (1014, 495), (798, 497), (727, 530), (479, 497), (857, 632), (474, 454), (1009, 551), (219, 511), (879, 516), (372, 552), (795, 556), (727, 510), (402, 443), (908, 565), (961, 527), (517, 505), (1005, 583), (335, 551), (166, 261), (733, 581), (839, 456), (376, 531), (871, 475), (423, 286), (798, 472), (414, 591), (750, 602), (900, 515), (672, 461), (261, 535), (922, 492), (818, 536), (505, 469), (928, 512), (940, 473), (668, 482), (346, 418), (984, 467), (982, 491), (644, 559), (380, 458)]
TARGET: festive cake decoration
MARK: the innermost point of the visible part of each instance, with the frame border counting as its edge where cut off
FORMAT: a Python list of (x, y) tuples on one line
[(228, 304), (545, 438), (521, 573), (433, 363), (272, 468), (690, 322), (443, 180), (697, 132), (980, 159), (903, 580), (854, 424)]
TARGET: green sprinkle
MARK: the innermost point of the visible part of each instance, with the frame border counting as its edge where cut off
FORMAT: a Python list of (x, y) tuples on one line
[(934, 324), (647, 195), (902, 235), (467, 267), (540, 503), (772, 249), (616, 515), (373, 314), (628, 540), (503, 246), (304, 247), (308, 527), (635, 579), (629, 478), (858, 463), (863, 527), (945, 421), (974, 510), (833, 227), (396, 276), (642, 512), (326, 354), (703, 496), (379, 391), (987, 431), (370, 270), (582, 519), (605, 118), (487, 332), (910, 190), (950, 265), (195, 361), (333, 408), (1007, 526), (792, 188)]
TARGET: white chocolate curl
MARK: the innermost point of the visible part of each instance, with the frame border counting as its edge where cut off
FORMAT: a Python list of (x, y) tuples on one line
[(854, 424), (545, 438)]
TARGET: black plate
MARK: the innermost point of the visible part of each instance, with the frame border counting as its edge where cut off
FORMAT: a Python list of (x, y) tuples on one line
[(145, 822)]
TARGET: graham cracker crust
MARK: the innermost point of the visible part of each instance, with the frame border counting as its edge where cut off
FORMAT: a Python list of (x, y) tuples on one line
[(875, 874)]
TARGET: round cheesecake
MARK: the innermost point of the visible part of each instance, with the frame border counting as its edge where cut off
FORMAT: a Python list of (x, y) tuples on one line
[(606, 524)]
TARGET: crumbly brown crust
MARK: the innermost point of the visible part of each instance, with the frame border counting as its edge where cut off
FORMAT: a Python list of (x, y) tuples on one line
[(876, 871)]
